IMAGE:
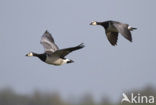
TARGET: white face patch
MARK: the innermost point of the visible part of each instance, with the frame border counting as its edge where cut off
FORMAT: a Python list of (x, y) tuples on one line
[(93, 23), (129, 28), (30, 54)]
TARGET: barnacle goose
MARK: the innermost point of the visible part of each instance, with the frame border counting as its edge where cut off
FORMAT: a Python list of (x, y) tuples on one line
[(53, 55), (112, 28)]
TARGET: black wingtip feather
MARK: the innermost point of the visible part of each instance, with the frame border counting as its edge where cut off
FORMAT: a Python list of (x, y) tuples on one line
[(114, 44), (131, 40), (46, 32), (81, 45)]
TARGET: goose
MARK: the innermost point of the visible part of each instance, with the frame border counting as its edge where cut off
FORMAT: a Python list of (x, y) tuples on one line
[(112, 28), (53, 55)]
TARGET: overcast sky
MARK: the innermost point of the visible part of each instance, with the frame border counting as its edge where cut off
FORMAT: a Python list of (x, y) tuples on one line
[(99, 68)]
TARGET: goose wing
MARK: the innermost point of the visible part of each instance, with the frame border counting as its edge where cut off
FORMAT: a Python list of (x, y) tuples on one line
[(48, 42), (63, 52), (112, 37), (123, 29)]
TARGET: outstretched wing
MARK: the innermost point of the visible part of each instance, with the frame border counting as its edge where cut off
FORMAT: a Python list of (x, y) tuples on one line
[(63, 52), (112, 37), (48, 42), (123, 29)]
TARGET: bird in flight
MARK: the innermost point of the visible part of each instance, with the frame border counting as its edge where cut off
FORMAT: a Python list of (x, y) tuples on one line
[(112, 28), (53, 55)]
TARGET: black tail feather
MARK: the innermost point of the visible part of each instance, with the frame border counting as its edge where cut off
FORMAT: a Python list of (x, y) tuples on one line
[(70, 61), (134, 28)]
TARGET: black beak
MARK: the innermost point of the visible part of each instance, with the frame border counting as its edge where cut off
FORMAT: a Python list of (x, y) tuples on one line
[(26, 55), (90, 24)]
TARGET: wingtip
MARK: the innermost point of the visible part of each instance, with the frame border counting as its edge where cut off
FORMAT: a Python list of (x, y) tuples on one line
[(113, 44), (82, 45), (130, 40), (46, 31)]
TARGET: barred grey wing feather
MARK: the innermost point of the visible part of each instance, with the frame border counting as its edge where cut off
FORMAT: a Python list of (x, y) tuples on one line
[(48, 42), (123, 29)]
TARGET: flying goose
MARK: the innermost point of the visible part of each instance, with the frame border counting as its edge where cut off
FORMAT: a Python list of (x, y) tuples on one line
[(53, 55), (112, 28)]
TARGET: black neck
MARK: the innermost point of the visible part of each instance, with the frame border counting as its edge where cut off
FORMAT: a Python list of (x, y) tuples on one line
[(41, 56), (98, 23), (104, 24)]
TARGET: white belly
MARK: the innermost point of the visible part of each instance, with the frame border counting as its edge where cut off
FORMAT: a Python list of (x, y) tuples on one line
[(55, 60)]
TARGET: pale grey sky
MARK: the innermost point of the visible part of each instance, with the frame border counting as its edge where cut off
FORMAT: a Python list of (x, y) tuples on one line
[(99, 68)]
